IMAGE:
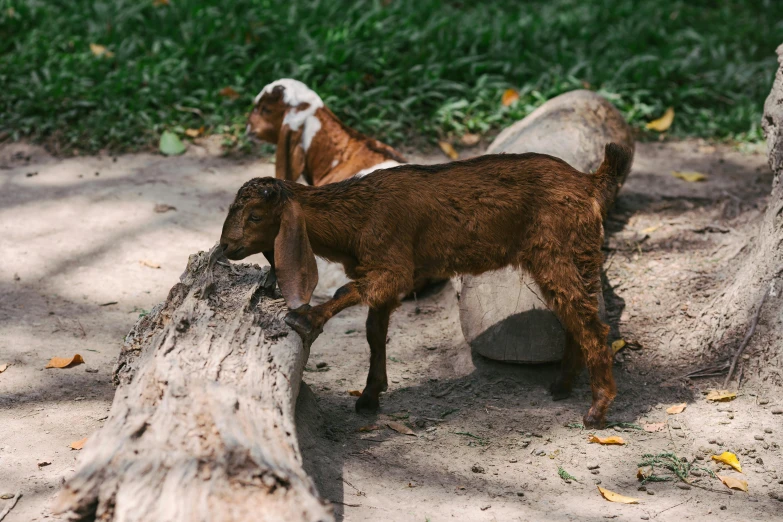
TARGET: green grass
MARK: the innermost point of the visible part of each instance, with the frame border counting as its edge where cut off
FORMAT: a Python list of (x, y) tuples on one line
[(401, 70)]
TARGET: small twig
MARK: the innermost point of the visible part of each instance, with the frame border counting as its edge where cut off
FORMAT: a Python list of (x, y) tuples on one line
[(746, 340), (10, 506), (671, 507), (345, 503)]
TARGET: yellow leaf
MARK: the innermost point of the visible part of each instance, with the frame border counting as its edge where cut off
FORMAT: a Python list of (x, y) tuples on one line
[(100, 51), (606, 440), (729, 458), (469, 139), (664, 122), (734, 483), (79, 444), (611, 496), (149, 264), (194, 133), (369, 427), (721, 396), (650, 230), (510, 96), (446, 147), (62, 362), (228, 92), (644, 473), (355, 393), (400, 428), (653, 427), (689, 176), (618, 345), (3, 367), (677, 408)]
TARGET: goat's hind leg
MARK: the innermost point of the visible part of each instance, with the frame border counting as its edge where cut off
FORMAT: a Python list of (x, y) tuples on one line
[(577, 309), (570, 368)]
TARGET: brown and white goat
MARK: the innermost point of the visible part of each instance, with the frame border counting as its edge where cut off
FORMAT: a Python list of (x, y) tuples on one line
[(311, 141), (411, 222)]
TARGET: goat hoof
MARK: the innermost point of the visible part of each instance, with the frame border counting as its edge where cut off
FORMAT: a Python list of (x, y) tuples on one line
[(301, 324), (593, 422), (366, 404), (559, 391)]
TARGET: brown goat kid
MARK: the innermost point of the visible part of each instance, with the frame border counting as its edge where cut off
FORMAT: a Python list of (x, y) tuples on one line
[(399, 226)]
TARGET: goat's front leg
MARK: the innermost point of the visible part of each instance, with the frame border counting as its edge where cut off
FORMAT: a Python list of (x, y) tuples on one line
[(309, 322), (377, 328)]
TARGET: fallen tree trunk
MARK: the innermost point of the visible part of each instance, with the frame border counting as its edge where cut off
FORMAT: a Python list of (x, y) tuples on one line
[(202, 424), (502, 313)]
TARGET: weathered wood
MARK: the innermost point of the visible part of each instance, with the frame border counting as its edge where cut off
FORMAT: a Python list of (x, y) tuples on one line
[(502, 313), (202, 425)]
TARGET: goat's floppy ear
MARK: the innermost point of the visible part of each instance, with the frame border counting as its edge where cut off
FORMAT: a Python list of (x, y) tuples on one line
[(290, 155), (297, 273)]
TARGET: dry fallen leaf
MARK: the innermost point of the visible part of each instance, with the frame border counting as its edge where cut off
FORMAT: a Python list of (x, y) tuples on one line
[(618, 345), (160, 3), (734, 483), (400, 428), (606, 440), (3, 367), (194, 133), (664, 122), (355, 393), (611, 496), (228, 92), (160, 208), (62, 362), (689, 175), (653, 427), (149, 264), (79, 444), (729, 458), (446, 147), (650, 230), (644, 473), (369, 427), (677, 408), (721, 396), (469, 139), (100, 51), (510, 96)]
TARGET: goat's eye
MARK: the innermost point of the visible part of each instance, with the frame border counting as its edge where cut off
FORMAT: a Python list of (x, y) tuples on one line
[(264, 110), (255, 218)]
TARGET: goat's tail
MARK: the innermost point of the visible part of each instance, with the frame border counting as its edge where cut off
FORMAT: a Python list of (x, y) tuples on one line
[(611, 173)]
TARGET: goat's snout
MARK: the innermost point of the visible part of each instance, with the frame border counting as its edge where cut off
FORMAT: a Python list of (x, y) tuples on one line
[(233, 252)]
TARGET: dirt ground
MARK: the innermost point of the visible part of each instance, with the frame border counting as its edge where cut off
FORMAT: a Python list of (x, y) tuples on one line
[(85, 252)]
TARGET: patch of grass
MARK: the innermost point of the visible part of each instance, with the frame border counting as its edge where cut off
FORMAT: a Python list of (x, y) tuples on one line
[(396, 70), (481, 441), (680, 468), (565, 475)]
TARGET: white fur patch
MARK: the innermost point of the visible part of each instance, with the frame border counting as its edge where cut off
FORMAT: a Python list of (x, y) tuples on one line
[(335, 163), (296, 93), (380, 166)]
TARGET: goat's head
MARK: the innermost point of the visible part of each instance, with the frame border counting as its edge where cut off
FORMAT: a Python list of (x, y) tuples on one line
[(265, 217), (266, 118)]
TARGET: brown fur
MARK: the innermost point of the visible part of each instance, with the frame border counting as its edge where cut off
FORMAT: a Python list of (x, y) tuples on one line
[(334, 142), (408, 223)]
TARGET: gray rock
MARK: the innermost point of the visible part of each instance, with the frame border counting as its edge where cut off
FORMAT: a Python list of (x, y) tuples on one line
[(593, 465)]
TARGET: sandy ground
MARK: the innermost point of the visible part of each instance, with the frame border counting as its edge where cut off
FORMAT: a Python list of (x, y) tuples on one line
[(80, 240)]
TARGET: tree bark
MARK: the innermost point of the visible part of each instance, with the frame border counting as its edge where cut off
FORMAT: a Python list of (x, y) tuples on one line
[(731, 314), (502, 313), (202, 424)]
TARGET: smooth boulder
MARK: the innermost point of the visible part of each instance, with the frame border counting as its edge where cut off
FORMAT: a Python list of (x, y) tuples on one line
[(502, 313)]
